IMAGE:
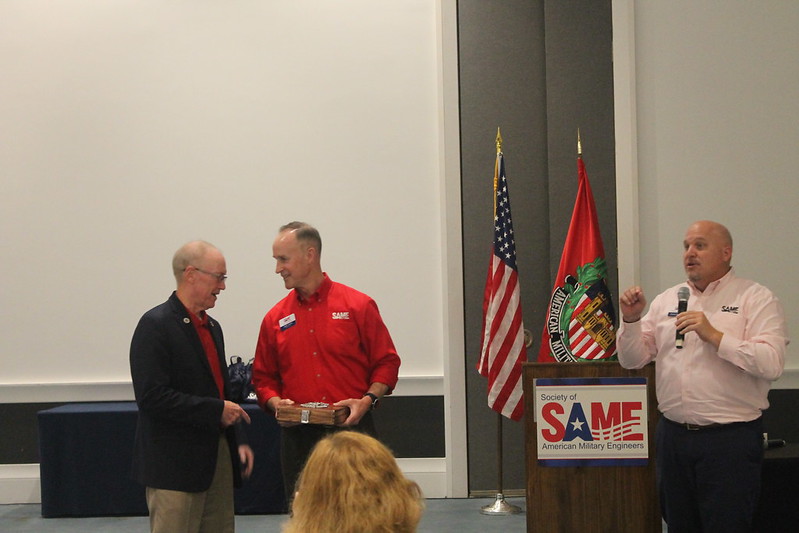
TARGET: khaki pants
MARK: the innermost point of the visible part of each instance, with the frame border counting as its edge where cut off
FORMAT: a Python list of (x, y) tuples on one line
[(211, 511)]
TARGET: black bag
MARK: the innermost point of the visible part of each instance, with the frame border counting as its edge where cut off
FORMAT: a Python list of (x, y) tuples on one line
[(240, 374)]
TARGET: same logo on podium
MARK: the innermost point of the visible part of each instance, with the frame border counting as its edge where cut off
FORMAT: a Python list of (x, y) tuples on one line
[(591, 421)]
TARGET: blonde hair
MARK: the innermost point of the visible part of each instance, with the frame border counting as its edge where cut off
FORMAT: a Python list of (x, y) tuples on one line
[(351, 484)]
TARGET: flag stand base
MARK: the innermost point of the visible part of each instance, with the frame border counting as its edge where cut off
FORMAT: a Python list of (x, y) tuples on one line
[(500, 507)]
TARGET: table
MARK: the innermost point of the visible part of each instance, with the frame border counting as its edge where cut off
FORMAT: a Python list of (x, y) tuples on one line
[(86, 451)]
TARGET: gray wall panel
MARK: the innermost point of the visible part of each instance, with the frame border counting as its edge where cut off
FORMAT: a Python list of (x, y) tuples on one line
[(539, 70)]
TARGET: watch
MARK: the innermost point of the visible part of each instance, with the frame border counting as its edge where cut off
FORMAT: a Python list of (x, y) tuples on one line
[(375, 400)]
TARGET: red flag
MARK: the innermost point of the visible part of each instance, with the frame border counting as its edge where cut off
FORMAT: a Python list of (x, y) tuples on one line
[(503, 349), (580, 323)]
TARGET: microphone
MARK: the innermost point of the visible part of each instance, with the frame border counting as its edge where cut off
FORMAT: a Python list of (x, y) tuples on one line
[(682, 306), (773, 443)]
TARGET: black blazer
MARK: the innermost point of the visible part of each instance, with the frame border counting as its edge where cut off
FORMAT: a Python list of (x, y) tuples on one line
[(178, 427)]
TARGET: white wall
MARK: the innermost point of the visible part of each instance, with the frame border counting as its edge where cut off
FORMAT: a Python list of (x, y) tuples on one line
[(715, 107), (130, 127)]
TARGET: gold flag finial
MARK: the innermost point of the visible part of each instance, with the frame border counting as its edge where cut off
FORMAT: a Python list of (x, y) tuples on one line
[(499, 141), (579, 144)]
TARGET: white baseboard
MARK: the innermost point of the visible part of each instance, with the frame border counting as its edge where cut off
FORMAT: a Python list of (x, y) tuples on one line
[(122, 391), (20, 484), (112, 391), (429, 473), (789, 380)]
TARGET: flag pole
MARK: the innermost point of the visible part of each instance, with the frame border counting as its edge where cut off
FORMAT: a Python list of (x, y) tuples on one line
[(500, 506), (496, 170)]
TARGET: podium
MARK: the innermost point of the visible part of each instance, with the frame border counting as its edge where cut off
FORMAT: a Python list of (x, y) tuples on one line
[(587, 498)]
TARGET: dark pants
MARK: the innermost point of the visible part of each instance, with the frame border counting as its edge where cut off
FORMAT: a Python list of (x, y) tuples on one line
[(709, 479), (296, 443)]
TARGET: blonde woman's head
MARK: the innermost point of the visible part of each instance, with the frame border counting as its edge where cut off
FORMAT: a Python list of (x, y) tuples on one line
[(351, 483)]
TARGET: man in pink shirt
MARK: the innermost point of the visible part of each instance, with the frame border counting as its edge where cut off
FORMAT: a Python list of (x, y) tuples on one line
[(712, 384), (324, 342)]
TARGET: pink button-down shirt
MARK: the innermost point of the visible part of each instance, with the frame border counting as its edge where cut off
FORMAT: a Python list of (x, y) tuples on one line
[(700, 384)]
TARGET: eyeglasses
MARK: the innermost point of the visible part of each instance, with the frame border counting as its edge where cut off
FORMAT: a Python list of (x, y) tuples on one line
[(221, 278)]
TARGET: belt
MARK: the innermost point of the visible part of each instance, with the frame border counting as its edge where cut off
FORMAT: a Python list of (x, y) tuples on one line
[(699, 427)]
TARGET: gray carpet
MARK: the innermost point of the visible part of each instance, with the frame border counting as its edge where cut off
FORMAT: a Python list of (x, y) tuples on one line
[(441, 515)]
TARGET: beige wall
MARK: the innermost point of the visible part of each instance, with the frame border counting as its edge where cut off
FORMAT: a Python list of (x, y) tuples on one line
[(715, 108)]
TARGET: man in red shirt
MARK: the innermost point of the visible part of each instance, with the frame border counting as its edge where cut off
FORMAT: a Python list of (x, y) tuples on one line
[(324, 342)]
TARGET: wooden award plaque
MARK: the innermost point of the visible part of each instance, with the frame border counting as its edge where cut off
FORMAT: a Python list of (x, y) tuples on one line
[(313, 413)]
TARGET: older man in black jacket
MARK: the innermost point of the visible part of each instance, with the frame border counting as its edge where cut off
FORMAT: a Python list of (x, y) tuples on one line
[(190, 449)]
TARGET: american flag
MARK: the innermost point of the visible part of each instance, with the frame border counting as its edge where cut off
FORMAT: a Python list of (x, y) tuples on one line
[(503, 349)]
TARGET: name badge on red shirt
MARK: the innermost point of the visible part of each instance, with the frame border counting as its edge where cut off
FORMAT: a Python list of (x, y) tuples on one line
[(287, 321)]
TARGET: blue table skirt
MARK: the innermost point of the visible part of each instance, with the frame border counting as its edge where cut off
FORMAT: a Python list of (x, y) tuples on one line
[(86, 451)]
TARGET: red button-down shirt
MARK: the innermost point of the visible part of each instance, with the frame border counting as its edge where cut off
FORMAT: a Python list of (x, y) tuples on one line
[(327, 348), (200, 324)]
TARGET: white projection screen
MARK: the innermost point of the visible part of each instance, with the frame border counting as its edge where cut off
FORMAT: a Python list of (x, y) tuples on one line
[(128, 128)]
